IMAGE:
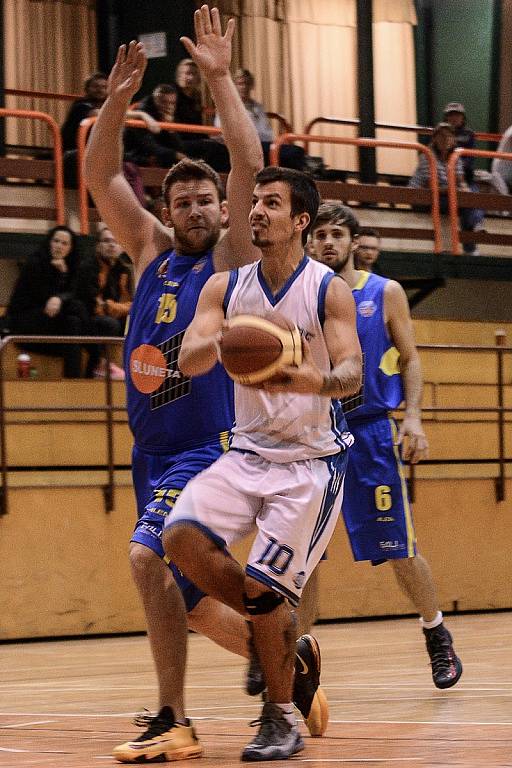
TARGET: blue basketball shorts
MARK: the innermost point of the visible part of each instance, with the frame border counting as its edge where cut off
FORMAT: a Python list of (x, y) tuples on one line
[(376, 507), (158, 480)]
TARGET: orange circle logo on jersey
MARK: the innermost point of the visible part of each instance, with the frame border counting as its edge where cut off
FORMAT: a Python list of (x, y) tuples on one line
[(148, 368)]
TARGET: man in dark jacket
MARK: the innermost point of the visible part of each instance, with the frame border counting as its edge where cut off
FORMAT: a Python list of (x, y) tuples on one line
[(95, 88)]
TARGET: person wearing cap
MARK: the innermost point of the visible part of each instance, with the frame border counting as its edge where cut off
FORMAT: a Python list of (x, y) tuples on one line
[(455, 114), (443, 143)]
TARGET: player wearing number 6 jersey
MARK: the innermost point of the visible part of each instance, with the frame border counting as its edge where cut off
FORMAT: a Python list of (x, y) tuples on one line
[(284, 472), (376, 506)]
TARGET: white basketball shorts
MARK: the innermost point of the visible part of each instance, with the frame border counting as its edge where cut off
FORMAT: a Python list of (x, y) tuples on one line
[(293, 506)]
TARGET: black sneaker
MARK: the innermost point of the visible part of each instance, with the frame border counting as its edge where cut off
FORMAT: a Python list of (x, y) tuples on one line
[(163, 739), (446, 666), (308, 697), (277, 739)]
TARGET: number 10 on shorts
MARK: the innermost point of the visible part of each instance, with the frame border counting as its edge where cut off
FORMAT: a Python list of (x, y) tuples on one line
[(276, 557)]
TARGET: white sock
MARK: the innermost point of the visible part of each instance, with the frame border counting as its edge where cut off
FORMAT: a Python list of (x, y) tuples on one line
[(436, 621), (288, 712)]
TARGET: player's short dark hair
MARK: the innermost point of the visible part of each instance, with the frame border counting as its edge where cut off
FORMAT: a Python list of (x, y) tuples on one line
[(341, 215), (93, 77), (304, 195), (191, 170), (369, 232)]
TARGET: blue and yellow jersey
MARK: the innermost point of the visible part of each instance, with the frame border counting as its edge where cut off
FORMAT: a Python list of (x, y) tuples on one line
[(382, 389), (168, 411)]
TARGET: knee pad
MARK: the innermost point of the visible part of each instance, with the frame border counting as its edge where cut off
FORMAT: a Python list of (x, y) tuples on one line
[(264, 603)]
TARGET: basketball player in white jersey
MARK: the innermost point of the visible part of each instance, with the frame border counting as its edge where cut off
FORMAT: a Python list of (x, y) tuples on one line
[(285, 469)]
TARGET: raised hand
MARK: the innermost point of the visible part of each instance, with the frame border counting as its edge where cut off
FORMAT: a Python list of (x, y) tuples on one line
[(212, 50), (126, 76)]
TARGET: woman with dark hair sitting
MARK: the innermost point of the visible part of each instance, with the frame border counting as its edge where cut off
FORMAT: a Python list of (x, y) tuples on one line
[(43, 303)]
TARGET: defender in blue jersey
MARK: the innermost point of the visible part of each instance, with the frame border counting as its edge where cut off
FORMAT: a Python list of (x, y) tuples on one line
[(179, 426), (376, 506)]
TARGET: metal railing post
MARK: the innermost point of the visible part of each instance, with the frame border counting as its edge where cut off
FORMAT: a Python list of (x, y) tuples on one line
[(501, 339), (108, 490), (3, 448)]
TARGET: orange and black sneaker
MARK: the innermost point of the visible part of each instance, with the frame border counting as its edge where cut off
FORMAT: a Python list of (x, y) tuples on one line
[(446, 665), (308, 696), (163, 739)]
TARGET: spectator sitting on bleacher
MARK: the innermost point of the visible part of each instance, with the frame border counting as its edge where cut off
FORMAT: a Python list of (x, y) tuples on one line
[(95, 88), (501, 169), (290, 156), (88, 106), (105, 287), (164, 148), (443, 143), (43, 302), (189, 105), (455, 114), (154, 146)]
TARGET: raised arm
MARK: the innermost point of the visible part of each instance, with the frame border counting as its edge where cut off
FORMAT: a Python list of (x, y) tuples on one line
[(139, 232), (200, 347), (212, 53), (399, 322), (342, 342)]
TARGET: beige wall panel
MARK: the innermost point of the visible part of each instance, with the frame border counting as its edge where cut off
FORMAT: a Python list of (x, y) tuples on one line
[(464, 534), (457, 332), (60, 445), (64, 564), (66, 569), (457, 366)]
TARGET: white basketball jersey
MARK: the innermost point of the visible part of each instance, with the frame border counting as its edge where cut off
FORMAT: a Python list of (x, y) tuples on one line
[(286, 427)]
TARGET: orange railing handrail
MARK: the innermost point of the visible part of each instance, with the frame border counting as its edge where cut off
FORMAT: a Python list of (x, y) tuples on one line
[(85, 127), (284, 125), (424, 130), (58, 181), (43, 94), (362, 142), (452, 186)]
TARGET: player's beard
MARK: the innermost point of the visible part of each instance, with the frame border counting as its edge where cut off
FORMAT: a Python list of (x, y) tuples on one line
[(259, 241), (342, 262), (191, 245)]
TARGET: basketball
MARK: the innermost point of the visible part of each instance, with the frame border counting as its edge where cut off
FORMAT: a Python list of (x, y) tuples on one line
[(253, 348)]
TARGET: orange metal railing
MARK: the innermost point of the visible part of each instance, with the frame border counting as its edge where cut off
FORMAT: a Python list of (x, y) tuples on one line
[(85, 127), (423, 130), (452, 187), (287, 138), (42, 94), (58, 181)]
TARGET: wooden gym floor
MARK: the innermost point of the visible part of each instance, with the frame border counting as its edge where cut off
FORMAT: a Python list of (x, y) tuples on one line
[(65, 704)]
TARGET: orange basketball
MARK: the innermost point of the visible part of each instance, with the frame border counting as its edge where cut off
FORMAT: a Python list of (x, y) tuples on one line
[(254, 348)]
